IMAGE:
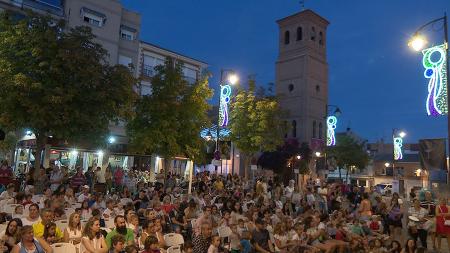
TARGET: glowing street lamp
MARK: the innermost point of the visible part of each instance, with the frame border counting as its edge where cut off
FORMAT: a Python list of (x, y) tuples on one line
[(318, 154), (387, 165), (233, 79), (111, 139), (299, 157), (417, 42)]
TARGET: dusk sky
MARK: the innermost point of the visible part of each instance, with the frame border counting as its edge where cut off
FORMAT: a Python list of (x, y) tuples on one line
[(375, 79)]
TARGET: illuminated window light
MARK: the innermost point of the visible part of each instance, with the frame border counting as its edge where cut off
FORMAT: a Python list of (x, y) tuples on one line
[(435, 70), (225, 93), (331, 126), (398, 143)]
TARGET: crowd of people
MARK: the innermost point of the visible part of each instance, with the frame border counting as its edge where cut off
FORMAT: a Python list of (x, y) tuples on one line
[(222, 214)]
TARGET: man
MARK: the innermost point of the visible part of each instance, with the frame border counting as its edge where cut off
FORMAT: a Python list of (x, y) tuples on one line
[(202, 241), (33, 215), (6, 174), (85, 195), (78, 179), (121, 228), (100, 185), (46, 218), (141, 201), (261, 239)]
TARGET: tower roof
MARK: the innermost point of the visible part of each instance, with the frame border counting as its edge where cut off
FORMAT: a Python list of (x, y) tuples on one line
[(306, 14)]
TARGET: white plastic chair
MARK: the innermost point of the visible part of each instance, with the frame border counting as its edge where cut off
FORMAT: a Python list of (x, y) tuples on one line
[(76, 205), (173, 239), (109, 223), (173, 249), (64, 248), (9, 208), (62, 224)]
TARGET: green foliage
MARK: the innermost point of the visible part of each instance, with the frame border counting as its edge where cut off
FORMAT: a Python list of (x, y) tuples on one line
[(8, 144), (58, 82), (348, 152), (169, 120), (255, 123)]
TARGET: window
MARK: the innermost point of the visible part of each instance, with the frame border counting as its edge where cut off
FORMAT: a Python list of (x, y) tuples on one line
[(190, 74), (291, 87), (320, 38), (127, 33), (93, 17), (146, 89), (314, 129), (294, 129), (313, 33), (150, 62), (299, 33), (286, 37), (125, 60), (317, 88), (320, 130)]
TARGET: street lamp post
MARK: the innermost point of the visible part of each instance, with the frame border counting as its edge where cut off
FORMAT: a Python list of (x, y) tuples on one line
[(418, 42), (397, 153), (223, 110)]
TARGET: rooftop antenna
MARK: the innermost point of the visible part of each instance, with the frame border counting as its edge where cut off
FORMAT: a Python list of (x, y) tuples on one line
[(302, 5)]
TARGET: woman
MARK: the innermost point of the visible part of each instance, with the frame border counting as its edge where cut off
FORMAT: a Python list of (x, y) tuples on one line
[(147, 230), (85, 210), (11, 234), (395, 247), (282, 244), (417, 228), (395, 214), (442, 216), (237, 214), (50, 233), (93, 240), (28, 244), (73, 232), (410, 246), (365, 209)]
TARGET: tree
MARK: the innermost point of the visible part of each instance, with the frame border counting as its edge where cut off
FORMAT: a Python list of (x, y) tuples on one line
[(169, 120), (8, 145), (348, 153), (255, 124), (57, 82)]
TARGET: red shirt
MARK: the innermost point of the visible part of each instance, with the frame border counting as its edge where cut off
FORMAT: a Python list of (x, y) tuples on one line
[(5, 175)]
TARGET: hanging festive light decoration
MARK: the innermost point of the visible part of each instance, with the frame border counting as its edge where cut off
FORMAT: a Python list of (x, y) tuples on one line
[(435, 70), (225, 94), (398, 143), (331, 125)]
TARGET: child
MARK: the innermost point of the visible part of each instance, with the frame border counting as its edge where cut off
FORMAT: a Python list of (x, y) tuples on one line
[(50, 233), (151, 245), (241, 227), (215, 243), (131, 249), (18, 211), (188, 248), (118, 244), (234, 239), (246, 246)]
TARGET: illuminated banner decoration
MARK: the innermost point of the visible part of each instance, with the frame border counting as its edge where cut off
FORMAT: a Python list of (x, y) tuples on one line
[(398, 143), (434, 61), (225, 93), (331, 125)]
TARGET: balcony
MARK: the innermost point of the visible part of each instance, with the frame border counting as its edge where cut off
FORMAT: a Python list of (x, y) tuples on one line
[(41, 5)]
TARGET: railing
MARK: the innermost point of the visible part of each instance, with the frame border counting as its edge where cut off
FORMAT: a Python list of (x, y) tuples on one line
[(148, 71), (37, 5)]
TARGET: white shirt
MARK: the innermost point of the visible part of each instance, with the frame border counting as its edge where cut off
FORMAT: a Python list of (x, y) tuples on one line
[(6, 195), (55, 177), (83, 197), (27, 222), (100, 174)]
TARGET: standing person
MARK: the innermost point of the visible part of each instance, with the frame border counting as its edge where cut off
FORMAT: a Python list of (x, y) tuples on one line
[(56, 178), (78, 179), (41, 182), (365, 208), (93, 240), (118, 178), (430, 205), (108, 178), (6, 174), (28, 244), (417, 229), (442, 217), (100, 185), (395, 214)]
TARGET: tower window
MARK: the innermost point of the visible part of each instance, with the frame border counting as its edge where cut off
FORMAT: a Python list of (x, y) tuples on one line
[(320, 38), (317, 88), (286, 37), (299, 33), (291, 87), (294, 129), (320, 130), (313, 33), (314, 129)]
